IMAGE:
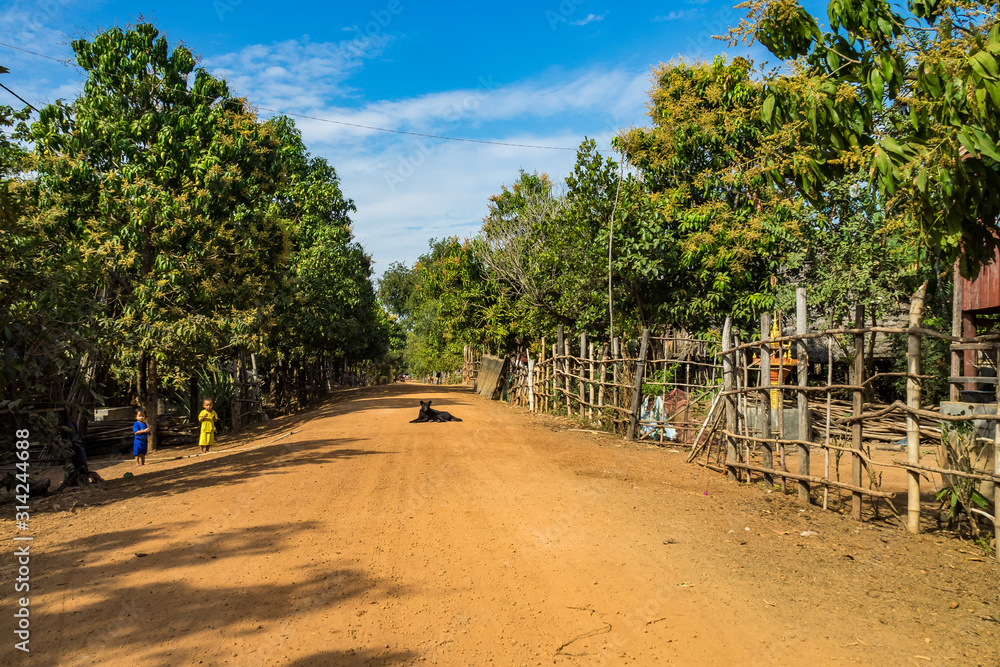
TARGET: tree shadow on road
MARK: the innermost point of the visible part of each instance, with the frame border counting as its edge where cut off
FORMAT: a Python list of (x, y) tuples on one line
[(98, 611), (231, 469), (346, 658)]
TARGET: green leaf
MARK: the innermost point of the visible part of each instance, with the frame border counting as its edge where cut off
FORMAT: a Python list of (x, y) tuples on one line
[(767, 110), (985, 65), (882, 162), (893, 146)]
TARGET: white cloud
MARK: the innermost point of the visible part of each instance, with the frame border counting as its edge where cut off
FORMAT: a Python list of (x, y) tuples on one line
[(30, 26), (676, 15), (297, 73), (412, 189), (603, 92), (409, 189), (588, 19)]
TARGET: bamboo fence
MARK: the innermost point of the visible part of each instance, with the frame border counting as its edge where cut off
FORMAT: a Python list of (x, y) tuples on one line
[(603, 384), (735, 400)]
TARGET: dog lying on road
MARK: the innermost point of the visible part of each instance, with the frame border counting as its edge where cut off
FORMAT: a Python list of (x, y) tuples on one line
[(428, 414)]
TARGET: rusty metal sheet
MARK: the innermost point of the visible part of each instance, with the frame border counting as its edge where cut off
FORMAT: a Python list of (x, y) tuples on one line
[(983, 294)]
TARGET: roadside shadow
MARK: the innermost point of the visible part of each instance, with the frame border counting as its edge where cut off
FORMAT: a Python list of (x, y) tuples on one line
[(233, 468), (362, 657), (105, 612)]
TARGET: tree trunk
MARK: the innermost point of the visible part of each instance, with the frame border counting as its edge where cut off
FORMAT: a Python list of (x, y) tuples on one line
[(193, 401), (140, 380), (236, 402), (153, 409)]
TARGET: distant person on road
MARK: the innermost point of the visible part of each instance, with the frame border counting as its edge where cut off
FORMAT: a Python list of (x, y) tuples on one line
[(140, 437), (207, 417)]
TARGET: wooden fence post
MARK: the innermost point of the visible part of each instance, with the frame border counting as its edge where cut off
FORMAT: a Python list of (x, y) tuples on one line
[(781, 407), (592, 376), (663, 387), (912, 421), (687, 403), (857, 433), (541, 360), (954, 391), (583, 372), (801, 328), (602, 374), (765, 404), (640, 369), (829, 405), (996, 471), (616, 349), (531, 384), (236, 404), (256, 383), (728, 382), (553, 381), (561, 362)]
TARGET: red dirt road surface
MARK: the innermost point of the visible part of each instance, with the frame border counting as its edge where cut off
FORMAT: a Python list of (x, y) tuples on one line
[(345, 535)]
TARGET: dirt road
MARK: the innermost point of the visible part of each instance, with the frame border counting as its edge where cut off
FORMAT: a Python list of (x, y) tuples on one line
[(504, 539)]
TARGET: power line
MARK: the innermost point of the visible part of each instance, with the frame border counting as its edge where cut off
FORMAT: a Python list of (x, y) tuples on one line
[(416, 134), (65, 61), (333, 121), (18, 97)]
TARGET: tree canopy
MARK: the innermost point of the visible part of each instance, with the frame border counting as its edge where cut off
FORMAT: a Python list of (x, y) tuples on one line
[(936, 162), (162, 229)]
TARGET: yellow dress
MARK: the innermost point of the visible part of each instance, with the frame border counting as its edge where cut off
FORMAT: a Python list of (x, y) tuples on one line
[(207, 419)]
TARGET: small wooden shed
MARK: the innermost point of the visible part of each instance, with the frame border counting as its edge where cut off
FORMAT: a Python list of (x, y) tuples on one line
[(972, 300)]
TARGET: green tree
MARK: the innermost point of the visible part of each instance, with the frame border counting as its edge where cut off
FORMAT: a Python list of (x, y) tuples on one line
[(714, 230), (325, 307), (937, 161), (46, 301), (454, 303), (396, 290), (169, 179)]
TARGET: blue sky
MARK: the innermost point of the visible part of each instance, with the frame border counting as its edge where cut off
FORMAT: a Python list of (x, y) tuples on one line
[(545, 73)]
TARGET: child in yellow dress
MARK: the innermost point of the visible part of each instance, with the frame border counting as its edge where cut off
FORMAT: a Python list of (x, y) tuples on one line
[(207, 417)]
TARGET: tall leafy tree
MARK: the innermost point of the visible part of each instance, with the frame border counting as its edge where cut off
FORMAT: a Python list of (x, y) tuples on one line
[(325, 307), (455, 302), (46, 300), (396, 290), (937, 162), (719, 229), (170, 178)]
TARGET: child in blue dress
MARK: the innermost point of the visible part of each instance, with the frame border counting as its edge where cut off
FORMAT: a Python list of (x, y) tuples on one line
[(140, 442)]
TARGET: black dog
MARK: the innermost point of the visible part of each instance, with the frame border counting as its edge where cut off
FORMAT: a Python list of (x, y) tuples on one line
[(427, 414)]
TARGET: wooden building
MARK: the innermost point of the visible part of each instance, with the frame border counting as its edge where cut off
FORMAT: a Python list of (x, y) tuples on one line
[(974, 299)]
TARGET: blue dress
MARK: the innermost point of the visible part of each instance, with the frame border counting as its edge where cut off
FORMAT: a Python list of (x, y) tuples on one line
[(140, 441)]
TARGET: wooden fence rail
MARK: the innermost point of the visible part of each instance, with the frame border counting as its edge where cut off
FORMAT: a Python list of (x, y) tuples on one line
[(728, 400)]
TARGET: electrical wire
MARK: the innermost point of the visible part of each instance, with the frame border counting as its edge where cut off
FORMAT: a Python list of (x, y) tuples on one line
[(416, 134), (40, 55), (334, 121), (611, 240), (18, 97)]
